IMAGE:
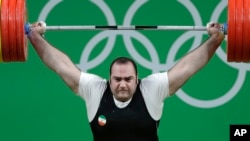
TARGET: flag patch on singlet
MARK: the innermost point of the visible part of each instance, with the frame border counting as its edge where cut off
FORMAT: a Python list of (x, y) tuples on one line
[(102, 120)]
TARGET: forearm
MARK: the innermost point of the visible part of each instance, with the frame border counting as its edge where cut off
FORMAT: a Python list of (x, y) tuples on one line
[(51, 56), (56, 61), (193, 62), (199, 57)]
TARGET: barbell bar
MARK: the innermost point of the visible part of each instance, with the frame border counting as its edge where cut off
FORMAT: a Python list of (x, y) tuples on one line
[(13, 47), (130, 27)]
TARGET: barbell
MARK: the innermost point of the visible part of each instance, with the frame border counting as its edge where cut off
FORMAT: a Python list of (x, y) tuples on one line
[(13, 40)]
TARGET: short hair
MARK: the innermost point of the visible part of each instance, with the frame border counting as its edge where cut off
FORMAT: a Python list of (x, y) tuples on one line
[(122, 60)]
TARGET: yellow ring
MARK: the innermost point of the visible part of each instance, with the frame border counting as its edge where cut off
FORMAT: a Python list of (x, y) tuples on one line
[(1, 57)]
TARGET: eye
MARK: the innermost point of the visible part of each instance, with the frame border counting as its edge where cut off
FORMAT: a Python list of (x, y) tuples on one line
[(117, 79), (128, 79)]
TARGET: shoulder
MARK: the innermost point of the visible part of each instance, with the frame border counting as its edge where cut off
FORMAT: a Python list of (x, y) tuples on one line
[(155, 85), (89, 79), (155, 78), (91, 83)]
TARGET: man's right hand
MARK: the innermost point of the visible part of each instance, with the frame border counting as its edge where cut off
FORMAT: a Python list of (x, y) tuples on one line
[(38, 27)]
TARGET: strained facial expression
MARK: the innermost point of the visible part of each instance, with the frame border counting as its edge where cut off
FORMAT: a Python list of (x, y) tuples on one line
[(123, 81)]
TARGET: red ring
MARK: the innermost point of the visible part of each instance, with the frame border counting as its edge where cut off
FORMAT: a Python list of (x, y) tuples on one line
[(21, 39), (4, 33), (231, 34), (239, 30), (1, 57), (12, 30), (246, 31)]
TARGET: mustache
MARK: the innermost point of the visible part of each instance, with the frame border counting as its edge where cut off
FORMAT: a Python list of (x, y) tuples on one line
[(122, 89)]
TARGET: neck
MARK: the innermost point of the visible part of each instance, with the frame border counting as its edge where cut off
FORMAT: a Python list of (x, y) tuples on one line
[(121, 104)]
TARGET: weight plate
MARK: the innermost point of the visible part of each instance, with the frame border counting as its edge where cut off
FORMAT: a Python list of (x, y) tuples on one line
[(238, 44), (1, 57), (246, 31), (20, 22), (4, 30), (231, 31), (12, 30)]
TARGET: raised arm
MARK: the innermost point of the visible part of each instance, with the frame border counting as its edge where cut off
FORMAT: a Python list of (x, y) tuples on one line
[(196, 59), (54, 58)]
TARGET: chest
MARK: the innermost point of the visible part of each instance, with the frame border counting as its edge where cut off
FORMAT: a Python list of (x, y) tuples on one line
[(133, 121)]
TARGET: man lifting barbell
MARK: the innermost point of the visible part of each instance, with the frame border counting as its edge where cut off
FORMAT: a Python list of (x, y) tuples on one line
[(124, 108)]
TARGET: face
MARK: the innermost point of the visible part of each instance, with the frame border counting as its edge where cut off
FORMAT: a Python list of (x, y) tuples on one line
[(123, 81)]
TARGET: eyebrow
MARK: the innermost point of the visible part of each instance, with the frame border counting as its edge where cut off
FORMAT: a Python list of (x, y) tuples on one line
[(126, 78)]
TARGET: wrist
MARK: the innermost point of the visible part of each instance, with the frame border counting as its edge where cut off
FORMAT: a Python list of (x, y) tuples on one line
[(34, 35), (217, 37)]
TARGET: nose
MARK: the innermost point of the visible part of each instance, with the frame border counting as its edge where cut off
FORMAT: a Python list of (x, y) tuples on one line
[(123, 84)]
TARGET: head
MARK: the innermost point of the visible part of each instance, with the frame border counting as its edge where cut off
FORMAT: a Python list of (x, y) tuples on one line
[(123, 78)]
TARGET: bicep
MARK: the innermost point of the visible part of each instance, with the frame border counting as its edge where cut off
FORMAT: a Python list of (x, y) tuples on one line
[(70, 75), (177, 76)]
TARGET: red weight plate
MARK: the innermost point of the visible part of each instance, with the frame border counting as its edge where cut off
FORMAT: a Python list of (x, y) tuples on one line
[(20, 33), (1, 57), (231, 31), (4, 32), (239, 30), (12, 30), (246, 31)]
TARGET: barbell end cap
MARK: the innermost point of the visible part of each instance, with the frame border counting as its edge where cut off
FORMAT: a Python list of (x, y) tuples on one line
[(27, 29), (225, 27)]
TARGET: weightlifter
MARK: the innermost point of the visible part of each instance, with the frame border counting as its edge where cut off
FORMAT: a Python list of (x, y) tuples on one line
[(125, 108)]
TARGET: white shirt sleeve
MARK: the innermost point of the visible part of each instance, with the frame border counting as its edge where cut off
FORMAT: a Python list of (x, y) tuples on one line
[(155, 89), (91, 89)]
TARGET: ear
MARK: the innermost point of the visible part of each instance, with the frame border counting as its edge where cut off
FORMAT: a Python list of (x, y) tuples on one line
[(137, 80)]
